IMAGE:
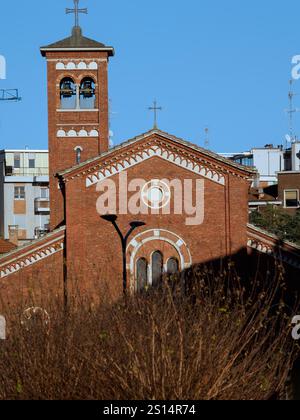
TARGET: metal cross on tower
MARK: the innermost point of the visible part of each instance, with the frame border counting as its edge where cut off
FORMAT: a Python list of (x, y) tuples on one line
[(155, 108), (76, 12)]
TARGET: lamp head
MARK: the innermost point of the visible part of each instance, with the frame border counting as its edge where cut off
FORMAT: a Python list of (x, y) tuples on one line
[(112, 218), (137, 224)]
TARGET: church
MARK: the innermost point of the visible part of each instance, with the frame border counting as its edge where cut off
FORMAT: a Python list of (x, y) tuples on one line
[(183, 205)]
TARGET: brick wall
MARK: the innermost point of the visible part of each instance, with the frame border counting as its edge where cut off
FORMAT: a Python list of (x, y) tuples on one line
[(32, 275), (93, 247), (61, 150)]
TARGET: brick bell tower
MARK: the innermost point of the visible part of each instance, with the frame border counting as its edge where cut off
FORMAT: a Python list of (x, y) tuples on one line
[(78, 108)]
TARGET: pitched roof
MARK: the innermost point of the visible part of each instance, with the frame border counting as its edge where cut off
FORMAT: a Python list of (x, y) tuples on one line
[(269, 193), (168, 136), (6, 246), (77, 42)]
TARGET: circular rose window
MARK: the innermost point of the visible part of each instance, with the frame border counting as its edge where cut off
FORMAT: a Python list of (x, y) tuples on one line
[(156, 194)]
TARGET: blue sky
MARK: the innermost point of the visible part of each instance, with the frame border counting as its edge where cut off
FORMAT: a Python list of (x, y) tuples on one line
[(221, 64)]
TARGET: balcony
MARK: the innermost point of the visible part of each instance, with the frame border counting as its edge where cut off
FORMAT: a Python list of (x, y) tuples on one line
[(32, 172), (42, 205)]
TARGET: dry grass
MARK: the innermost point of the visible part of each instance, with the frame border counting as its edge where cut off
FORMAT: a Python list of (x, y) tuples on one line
[(213, 342)]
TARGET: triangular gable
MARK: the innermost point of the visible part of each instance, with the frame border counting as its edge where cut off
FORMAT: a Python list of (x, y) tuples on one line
[(164, 146), (148, 153)]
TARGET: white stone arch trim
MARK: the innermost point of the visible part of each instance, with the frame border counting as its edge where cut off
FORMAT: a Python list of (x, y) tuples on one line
[(191, 164), (78, 147), (24, 261), (77, 65), (150, 235), (80, 133), (71, 66)]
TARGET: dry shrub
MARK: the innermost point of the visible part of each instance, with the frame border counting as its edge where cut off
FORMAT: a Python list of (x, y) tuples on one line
[(214, 340)]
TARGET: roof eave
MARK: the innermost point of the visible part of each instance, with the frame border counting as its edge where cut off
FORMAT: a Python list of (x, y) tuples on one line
[(248, 172), (109, 50)]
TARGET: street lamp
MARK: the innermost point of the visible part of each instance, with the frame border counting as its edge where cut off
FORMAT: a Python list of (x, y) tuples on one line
[(112, 218)]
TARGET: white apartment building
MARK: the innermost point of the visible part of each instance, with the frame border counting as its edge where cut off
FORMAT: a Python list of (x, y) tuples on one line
[(295, 156), (268, 161), (24, 195)]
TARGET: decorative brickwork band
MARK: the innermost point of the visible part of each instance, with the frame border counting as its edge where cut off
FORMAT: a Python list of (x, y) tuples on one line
[(32, 253)]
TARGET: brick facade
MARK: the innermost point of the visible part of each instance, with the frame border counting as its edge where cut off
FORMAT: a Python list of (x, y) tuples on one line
[(33, 274), (82, 254), (93, 247), (62, 150)]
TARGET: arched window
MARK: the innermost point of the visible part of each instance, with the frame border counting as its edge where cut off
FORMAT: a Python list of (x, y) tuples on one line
[(78, 151), (87, 96), (67, 94), (157, 268), (173, 266), (142, 274)]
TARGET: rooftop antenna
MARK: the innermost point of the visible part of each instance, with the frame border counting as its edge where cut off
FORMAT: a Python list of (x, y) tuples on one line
[(207, 142), (290, 138), (111, 113)]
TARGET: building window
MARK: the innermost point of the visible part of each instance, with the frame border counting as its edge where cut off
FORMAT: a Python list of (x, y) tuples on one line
[(17, 160), (141, 274), (19, 193), (67, 94), (291, 198), (87, 95), (31, 160), (173, 266), (78, 151), (157, 268), (44, 192)]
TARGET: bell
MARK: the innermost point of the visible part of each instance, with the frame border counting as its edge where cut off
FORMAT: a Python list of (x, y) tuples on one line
[(66, 89), (87, 89)]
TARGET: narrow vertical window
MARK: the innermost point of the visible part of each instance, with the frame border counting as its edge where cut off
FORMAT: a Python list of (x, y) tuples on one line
[(17, 161), (31, 160), (78, 151), (157, 268), (173, 266), (142, 274)]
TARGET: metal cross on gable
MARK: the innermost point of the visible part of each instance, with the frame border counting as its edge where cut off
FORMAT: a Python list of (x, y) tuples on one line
[(155, 108), (76, 12)]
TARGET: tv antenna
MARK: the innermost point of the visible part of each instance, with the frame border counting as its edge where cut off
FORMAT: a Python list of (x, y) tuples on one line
[(111, 113), (206, 142), (290, 138)]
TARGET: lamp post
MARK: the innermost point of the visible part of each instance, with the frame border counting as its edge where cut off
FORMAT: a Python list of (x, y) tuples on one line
[(112, 218)]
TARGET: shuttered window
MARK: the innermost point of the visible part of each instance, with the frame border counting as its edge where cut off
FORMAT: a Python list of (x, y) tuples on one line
[(291, 198)]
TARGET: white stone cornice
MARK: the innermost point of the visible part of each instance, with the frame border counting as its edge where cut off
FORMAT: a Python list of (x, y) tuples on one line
[(265, 247), (174, 156), (25, 260)]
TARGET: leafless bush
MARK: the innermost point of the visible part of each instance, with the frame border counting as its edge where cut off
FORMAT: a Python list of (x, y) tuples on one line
[(213, 340)]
